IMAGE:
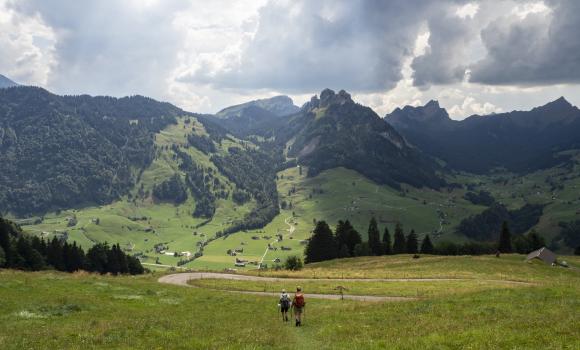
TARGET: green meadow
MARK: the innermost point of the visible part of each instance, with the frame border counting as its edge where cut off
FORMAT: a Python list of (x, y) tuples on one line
[(49, 310)]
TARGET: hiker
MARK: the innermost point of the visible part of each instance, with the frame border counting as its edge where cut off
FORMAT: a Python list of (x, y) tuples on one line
[(284, 305), (298, 305)]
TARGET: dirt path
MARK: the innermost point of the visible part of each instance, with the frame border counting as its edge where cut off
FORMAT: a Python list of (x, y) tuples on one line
[(181, 279), (290, 231)]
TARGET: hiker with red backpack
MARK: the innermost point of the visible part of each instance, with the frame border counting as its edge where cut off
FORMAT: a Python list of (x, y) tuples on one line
[(284, 305), (298, 306)]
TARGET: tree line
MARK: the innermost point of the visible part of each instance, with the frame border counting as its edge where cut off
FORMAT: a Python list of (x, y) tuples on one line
[(346, 241), (31, 253)]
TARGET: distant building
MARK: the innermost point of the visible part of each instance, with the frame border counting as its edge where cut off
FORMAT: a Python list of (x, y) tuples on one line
[(544, 254)]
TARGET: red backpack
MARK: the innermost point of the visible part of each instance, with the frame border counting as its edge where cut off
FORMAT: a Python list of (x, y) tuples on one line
[(299, 300)]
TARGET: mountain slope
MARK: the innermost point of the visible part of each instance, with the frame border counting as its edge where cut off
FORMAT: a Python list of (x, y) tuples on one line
[(278, 106), (259, 117), (334, 131), (517, 141), (6, 83), (65, 151)]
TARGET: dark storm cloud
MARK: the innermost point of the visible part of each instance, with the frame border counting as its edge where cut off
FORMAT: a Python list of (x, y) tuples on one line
[(445, 60), (308, 45), (533, 51)]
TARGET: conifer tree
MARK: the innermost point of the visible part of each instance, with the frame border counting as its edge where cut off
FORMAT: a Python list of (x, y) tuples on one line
[(505, 240), (2, 257), (322, 244), (412, 243), (352, 238), (374, 238), (427, 245), (341, 235), (387, 246), (399, 243), (535, 240), (54, 254)]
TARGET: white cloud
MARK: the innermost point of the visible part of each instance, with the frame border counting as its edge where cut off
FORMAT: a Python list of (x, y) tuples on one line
[(26, 46)]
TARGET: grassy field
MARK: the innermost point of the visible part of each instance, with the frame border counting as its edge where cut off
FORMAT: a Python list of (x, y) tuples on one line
[(48, 310)]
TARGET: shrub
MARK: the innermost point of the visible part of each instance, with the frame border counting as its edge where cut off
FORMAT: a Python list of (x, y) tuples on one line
[(293, 263)]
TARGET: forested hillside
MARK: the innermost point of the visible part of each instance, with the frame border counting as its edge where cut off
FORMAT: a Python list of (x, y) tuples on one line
[(336, 131), (519, 141), (66, 151)]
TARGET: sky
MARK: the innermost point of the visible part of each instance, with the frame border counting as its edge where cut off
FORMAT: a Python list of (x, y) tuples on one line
[(474, 57)]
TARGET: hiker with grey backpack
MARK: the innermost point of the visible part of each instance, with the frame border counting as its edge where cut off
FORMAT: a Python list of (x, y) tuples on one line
[(284, 305)]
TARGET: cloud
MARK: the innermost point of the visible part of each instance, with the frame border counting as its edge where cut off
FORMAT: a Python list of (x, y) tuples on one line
[(27, 46), (109, 47), (309, 45), (204, 56), (539, 48)]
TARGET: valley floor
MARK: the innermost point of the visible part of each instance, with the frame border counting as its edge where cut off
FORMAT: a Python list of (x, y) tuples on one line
[(48, 310)]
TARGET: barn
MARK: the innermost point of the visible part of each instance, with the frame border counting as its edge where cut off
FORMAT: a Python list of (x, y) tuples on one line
[(544, 254)]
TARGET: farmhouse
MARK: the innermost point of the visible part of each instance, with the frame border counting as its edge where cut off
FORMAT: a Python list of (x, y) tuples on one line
[(544, 254)]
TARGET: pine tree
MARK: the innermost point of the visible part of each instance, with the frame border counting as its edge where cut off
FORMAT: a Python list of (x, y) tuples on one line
[(122, 258), (322, 244), (2, 257), (388, 249), (113, 263), (31, 258), (412, 243), (352, 238), (135, 267), (427, 246), (535, 241), (343, 251), (399, 244), (362, 249), (374, 238), (97, 258), (54, 254), (505, 240), (341, 235)]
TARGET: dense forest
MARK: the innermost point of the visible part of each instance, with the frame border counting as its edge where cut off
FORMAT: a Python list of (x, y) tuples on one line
[(171, 190), (253, 171), (486, 225), (480, 198), (200, 182), (31, 253), (66, 151)]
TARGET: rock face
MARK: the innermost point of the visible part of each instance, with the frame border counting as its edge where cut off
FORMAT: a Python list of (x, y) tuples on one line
[(518, 141), (334, 131)]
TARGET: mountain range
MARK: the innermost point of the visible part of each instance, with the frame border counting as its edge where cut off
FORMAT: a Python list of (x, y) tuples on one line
[(64, 152), (520, 141)]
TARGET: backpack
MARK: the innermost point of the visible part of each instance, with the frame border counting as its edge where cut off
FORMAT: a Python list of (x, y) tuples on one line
[(285, 300), (299, 300)]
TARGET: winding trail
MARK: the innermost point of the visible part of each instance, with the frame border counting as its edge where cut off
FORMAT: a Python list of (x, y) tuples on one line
[(290, 231), (181, 279)]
